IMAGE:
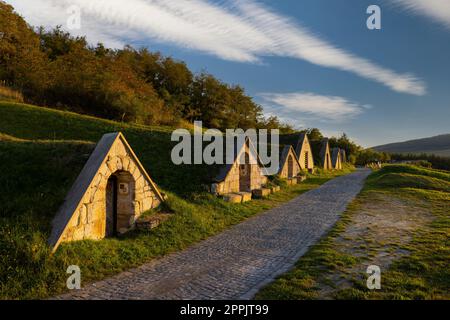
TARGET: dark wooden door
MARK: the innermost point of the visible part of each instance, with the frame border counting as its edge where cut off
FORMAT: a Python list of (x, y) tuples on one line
[(290, 167), (245, 175), (111, 207)]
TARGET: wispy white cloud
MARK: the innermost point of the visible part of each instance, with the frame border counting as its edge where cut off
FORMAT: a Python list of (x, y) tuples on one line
[(299, 105), (438, 10), (236, 30)]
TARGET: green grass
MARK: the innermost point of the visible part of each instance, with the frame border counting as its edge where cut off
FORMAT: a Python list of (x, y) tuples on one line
[(411, 170), (423, 273), (151, 144), (405, 180), (41, 153)]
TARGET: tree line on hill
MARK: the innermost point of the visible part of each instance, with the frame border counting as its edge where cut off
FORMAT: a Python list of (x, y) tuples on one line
[(437, 162), (53, 68), (361, 157)]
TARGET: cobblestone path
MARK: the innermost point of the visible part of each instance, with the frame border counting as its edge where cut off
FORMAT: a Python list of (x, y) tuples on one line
[(236, 263)]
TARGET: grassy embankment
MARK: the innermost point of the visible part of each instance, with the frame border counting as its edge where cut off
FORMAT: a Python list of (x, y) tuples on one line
[(41, 153), (400, 222)]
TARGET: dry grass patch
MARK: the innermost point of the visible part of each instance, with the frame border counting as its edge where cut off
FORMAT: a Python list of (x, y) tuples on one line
[(381, 228)]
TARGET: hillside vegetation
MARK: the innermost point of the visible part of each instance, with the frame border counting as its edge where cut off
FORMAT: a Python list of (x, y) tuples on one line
[(41, 153), (53, 68), (401, 223)]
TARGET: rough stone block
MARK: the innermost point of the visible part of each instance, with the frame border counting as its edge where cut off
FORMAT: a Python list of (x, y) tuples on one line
[(91, 212), (83, 218), (261, 193), (137, 206), (75, 221), (233, 198), (98, 229), (112, 166), (246, 196), (276, 189), (147, 203), (89, 230), (293, 181), (148, 223), (126, 163), (78, 234), (120, 150), (140, 183), (132, 168)]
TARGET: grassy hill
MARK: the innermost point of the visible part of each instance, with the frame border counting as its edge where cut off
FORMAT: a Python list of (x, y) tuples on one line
[(151, 144), (41, 153), (438, 145)]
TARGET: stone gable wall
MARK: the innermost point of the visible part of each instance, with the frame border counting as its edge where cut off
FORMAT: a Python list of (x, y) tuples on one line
[(258, 179), (285, 171), (231, 182), (338, 164), (327, 156), (302, 157), (89, 219)]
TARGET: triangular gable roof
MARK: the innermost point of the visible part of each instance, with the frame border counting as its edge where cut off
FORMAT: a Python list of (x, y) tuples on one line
[(343, 155), (320, 149), (300, 143), (294, 139), (335, 156), (85, 179), (226, 168), (325, 147), (301, 146), (284, 156)]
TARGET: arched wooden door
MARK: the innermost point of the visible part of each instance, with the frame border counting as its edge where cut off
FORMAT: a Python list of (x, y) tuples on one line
[(245, 174), (290, 167), (111, 207), (120, 210)]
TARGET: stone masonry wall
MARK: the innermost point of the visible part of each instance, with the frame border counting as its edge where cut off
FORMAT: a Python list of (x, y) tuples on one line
[(302, 158), (285, 171), (327, 165), (231, 183), (258, 179), (89, 219)]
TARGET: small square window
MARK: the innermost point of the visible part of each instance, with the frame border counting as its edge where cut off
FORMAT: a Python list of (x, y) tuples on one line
[(123, 188)]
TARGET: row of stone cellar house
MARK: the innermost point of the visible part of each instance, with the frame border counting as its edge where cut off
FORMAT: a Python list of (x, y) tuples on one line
[(114, 189)]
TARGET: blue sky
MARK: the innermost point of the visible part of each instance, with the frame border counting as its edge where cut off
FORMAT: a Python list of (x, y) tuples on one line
[(313, 63)]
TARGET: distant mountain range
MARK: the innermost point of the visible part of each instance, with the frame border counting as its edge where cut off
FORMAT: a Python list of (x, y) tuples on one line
[(438, 145)]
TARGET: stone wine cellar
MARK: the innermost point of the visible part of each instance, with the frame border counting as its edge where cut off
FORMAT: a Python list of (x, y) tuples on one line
[(111, 192)]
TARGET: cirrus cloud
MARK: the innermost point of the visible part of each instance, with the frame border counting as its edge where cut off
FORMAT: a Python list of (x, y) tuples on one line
[(438, 10), (298, 105)]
